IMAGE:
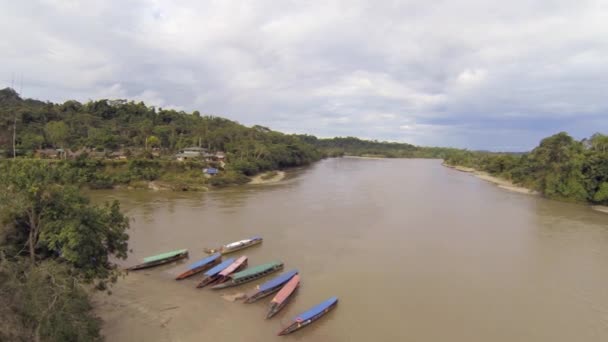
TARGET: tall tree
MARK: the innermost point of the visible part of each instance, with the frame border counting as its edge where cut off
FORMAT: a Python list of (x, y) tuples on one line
[(49, 218), (58, 132)]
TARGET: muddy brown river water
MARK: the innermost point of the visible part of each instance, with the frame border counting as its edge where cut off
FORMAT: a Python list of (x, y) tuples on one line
[(415, 252)]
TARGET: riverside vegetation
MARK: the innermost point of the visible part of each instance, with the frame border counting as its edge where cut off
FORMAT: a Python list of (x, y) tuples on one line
[(560, 167), (53, 243)]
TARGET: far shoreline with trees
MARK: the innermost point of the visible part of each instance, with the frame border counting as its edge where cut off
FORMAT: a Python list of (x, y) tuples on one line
[(129, 144)]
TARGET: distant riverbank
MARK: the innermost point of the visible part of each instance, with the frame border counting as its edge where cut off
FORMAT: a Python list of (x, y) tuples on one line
[(366, 156), (507, 184)]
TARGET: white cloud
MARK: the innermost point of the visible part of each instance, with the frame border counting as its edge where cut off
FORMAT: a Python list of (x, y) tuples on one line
[(471, 77)]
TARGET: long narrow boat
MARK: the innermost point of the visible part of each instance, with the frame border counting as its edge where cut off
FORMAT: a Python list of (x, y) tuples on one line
[(251, 274), (224, 275), (213, 274), (283, 296), (201, 265), (160, 259), (235, 246), (306, 318), (270, 286)]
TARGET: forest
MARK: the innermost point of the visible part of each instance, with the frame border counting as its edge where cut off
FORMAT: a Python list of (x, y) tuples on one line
[(560, 167), (138, 131)]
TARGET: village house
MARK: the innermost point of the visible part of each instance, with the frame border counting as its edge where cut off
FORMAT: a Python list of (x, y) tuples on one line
[(190, 153)]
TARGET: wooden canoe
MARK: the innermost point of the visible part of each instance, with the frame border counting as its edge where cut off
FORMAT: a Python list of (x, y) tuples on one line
[(235, 246), (271, 286), (283, 296), (250, 274), (306, 318), (200, 266), (160, 259), (224, 275)]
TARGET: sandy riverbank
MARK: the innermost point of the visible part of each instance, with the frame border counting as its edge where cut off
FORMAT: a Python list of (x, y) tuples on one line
[(500, 182), (268, 177), (503, 183), (365, 157), (600, 208), (508, 185)]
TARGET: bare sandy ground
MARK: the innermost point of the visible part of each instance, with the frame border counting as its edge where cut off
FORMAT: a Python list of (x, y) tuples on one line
[(503, 183), (258, 179), (500, 182), (508, 185), (600, 208), (364, 157)]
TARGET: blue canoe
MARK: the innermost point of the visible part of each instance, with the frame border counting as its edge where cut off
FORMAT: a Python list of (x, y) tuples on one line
[(219, 268), (307, 317), (271, 286), (201, 265), (212, 274)]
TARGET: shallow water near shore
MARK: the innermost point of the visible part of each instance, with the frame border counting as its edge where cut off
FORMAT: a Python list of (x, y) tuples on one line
[(414, 251)]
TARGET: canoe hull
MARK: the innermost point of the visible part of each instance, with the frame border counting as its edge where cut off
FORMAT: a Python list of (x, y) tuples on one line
[(275, 307), (272, 286), (158, 262), (295, 326), (259, 295), (199, 269), (230, 282), (218, 279), (225, 250)]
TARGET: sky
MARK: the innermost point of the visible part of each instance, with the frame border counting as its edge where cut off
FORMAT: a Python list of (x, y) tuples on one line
[(477, 74)]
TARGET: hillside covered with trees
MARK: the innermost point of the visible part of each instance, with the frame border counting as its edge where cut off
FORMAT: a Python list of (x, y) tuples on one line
[(149, 136), (560, 167)]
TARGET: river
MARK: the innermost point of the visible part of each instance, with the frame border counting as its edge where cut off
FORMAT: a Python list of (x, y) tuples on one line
[(414, 251)]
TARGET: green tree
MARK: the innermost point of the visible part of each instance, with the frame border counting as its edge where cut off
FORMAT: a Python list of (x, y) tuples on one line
[(48, 216), (152, 141), (599, 142), (30, 141), (557, 164), (57, 132), (44, 303), (601, 196)]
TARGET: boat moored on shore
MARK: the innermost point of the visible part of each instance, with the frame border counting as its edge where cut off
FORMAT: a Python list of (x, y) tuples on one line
[(283, 296), (220, 272), (160, 259), (200, 266), (306, 318), (235, 246), (270, 286), (251, 274)]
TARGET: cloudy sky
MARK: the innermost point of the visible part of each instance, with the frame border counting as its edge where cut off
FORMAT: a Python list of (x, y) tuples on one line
[(478, 74)]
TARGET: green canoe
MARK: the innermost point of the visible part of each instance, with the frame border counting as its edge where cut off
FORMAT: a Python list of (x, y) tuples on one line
[(250, 274), (160, 259)]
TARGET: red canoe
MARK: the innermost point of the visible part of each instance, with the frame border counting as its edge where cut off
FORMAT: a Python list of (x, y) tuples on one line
[(282, 298), (238, 265)]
